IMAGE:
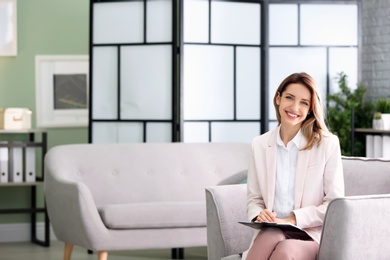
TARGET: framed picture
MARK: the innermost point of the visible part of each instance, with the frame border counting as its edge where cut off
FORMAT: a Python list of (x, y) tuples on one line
[(8, 31), (62, 86)]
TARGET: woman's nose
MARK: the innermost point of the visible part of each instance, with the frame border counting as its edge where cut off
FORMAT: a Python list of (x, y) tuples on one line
[(295, 106)]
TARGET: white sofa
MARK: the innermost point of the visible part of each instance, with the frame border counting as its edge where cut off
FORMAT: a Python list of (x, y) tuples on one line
[(135, 196), (355, 227)]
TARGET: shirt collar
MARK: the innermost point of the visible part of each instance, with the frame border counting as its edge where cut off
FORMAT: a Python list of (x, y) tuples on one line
[(296, 140)]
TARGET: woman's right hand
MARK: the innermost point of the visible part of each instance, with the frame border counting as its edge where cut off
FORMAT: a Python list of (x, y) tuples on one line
[(266, 216)]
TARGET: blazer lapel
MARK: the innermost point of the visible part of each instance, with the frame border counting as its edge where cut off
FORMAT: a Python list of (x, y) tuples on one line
[(302, 164), (271, 170)]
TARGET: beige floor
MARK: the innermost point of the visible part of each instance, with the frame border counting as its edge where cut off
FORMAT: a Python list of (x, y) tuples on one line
[(28, 251)]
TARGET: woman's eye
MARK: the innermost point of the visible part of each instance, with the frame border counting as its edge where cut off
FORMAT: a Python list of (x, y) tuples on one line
[(305, 103), (289, 97)]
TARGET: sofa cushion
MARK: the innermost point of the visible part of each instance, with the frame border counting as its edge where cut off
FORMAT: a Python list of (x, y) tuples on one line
[(154, 215), (360, 178)]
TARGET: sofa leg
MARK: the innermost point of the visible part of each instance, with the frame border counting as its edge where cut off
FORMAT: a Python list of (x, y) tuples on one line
[(68, 251), (102, 255), (177, 253)]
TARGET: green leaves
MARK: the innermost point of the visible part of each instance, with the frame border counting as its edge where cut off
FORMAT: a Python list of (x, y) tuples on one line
[(383, 105), (339, 114)]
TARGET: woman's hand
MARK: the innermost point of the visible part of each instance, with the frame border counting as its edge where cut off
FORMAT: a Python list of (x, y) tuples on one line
[(290, 219), (266, 216)]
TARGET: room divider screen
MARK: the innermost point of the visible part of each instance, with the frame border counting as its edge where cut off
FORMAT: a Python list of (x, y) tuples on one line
[(206, 70), (132, 63)]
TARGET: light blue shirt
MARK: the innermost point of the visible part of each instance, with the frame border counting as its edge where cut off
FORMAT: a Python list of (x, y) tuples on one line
[(286, 166)]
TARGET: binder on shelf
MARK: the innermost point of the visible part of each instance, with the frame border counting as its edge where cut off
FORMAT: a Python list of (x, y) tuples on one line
[(370, 146), (386, 147), (16, 163), (3, 164), (29, 166), (377, 146)]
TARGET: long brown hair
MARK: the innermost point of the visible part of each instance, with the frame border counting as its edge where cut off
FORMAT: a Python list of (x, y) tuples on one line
[(313, 127)]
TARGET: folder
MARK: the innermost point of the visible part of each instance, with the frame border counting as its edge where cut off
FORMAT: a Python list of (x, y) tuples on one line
[(3, 164), (377, 146), (287, 228), (16, 163), (29, 164), (386, 147), (370, 146)]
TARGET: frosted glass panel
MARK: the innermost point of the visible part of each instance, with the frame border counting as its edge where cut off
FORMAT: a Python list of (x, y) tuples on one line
[(234, 132), (248, 82), (285, 61), (159, 21), (329, 24), (120, 22), (146, 82), (208, 82), (196, 132), (105, 83), (272, 125), (283, 24), (196, 21), (104, 133), (158, 132), (343, 60), (235, 22)]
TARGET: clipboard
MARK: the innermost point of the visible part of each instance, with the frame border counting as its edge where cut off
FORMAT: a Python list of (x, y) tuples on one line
[(288, 229)]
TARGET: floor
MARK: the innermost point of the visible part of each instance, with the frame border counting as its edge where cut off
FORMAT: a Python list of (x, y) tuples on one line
[(28, 251)]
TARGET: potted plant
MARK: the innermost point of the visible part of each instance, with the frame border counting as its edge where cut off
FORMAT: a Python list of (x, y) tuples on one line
[(383, 106), (339, 115), (377, 121)]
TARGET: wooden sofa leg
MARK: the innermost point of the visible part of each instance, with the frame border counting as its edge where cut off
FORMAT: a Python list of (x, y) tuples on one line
[(102, 255), (68, 251)]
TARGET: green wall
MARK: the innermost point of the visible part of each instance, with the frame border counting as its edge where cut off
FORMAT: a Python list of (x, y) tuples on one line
[(44, 27)]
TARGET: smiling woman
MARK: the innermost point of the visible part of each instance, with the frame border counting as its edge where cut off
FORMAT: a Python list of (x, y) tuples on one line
[(303, 158)]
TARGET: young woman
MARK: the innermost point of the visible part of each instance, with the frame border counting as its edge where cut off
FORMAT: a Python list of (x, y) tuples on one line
[(295, 171)]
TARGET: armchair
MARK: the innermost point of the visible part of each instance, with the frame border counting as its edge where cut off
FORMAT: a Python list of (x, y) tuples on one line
[(355, 227)]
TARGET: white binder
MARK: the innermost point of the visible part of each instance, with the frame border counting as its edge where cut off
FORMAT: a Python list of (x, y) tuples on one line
[(370, 146), (386, 147), (3, 164), (29, 165), (378, 146), (16, 171)]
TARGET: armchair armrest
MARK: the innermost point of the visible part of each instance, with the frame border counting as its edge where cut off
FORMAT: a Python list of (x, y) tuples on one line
[(356, 227), (226, 205)]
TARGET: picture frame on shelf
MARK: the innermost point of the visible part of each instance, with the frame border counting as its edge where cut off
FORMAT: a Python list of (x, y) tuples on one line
[(8, 28), (62, 87)]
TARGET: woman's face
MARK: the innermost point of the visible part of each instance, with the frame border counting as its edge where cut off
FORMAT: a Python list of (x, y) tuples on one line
[(294, 104)]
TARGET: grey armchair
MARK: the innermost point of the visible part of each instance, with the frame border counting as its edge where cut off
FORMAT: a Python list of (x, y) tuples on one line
[(355, 227)]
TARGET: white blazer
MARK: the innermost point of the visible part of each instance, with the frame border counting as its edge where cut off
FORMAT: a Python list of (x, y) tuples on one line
[(319, 179)]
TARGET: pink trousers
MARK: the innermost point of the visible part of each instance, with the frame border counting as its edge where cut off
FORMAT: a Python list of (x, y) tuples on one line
[(271, 243)]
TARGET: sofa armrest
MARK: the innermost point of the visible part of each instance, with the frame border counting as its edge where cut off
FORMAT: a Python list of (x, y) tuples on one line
[(73, 212), (356, 227), (226, 205)]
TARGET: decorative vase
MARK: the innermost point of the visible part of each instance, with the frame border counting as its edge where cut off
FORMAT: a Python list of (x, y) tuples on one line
[(377, 124)]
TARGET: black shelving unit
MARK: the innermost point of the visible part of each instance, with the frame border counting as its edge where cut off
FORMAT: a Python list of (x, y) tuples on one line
[(366, 131), (33, 210)]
